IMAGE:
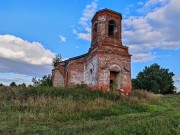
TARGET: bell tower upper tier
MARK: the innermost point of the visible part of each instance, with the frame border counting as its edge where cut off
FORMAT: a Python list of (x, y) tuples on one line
[(106, 28)]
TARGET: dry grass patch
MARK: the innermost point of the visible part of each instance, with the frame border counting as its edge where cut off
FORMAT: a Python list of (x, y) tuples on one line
[(143, 97), (57, 104)]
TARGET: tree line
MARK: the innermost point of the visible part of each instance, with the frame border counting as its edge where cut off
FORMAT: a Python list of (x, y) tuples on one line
[(153, 78), (44, 81)]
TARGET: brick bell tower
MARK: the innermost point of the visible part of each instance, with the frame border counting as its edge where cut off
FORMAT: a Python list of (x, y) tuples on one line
[(106, 28), (114, 60)]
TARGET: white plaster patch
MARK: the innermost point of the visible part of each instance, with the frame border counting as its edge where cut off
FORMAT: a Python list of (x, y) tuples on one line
[(102, 18), (90, 73), (105, 78), (58, 79), (77, 77)]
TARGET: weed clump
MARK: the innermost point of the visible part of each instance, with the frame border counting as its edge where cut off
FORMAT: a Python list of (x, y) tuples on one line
[(144, 97)]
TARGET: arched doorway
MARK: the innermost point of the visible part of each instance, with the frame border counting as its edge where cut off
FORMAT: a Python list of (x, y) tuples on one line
[(115, 80), (115, 77)]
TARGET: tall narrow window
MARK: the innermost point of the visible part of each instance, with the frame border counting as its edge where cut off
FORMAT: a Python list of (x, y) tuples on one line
[(111, 28), (95, 27)]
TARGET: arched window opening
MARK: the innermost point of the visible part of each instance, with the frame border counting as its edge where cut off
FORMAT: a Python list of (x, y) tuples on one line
[(111, 28), (95, 27)]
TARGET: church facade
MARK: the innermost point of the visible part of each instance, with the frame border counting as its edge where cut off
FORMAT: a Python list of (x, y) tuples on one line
[(107, 62)]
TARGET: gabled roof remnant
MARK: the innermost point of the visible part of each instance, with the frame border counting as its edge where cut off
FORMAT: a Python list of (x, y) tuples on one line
[(106, 9), (65, 62)]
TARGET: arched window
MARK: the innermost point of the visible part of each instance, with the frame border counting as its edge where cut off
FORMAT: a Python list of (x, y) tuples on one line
[(111, 28), (95, 27)]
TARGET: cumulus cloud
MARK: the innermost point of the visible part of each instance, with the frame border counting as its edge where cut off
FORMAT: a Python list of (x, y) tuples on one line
[(84, 21), (15, 48), (166, 20), (62, 38), (143, 57), (151, 5), (177, 82), (88, 13), (23, 57), (138, 30), (84, 36), (157, 29)]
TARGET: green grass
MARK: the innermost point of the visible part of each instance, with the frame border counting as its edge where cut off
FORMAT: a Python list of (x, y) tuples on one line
[(48, 110)]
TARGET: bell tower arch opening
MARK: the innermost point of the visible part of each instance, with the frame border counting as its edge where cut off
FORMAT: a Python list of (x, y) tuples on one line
[(111, 28)]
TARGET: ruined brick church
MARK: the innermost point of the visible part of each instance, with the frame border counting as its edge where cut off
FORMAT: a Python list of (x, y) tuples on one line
[(107, 62)]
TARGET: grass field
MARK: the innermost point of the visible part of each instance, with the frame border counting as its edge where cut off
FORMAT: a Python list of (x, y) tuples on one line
[(47, 110)]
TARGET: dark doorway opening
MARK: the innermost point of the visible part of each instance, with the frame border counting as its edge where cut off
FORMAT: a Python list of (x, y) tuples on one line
[(114, 81), (111, 85)]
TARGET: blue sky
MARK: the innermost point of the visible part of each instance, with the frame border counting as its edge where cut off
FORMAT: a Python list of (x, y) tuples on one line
[(32, 32)]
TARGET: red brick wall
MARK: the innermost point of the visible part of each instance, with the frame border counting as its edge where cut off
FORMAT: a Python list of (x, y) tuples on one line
[(114, 62)]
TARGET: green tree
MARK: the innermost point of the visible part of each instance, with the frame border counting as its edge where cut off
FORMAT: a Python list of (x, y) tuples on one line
[(155, 79), (22, 85), (44, 81), (36, 81), (1, 84), (13, 84), (57, 59)]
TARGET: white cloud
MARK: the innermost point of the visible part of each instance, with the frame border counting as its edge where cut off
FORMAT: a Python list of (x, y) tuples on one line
[(169, 45), (166, 20), (138, 30), (23, 57), (15, 48), (139, 48), (88, 13), (177, 82), (85, 23), (151, 5), (157, 29), (143, 57), (65, 59), (85, 36), (62, 38)]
